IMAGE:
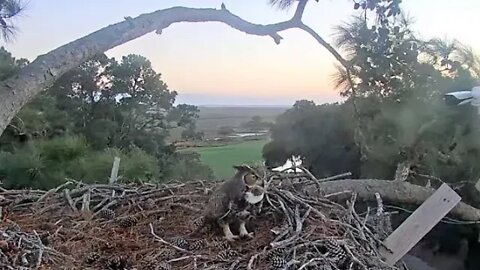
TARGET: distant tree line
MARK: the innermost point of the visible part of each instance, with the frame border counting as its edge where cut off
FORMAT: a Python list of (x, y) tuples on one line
[(102, 109), (256, 124)]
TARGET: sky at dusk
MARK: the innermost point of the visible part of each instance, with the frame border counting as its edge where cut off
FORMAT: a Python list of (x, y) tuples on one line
[(211, 63)]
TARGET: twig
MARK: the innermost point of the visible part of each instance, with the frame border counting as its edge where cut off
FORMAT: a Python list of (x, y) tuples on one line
[(53, 191), (303, 266), (335, 177), (430, 177), (349, 252), (105, 207), (100, 204), (186, 258), (66, 193), (86, 202), (337, 193), (234, 264), (251, 261), (379, 204), (298, 228), (159, 239), (188, 207)]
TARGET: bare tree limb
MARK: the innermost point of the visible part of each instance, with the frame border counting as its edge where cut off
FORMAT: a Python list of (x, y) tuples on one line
[(46, 69), (397, 192), (299, 11), (325, 44)]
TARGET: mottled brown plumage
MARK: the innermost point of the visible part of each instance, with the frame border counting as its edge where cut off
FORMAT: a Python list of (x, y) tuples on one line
[(228, 197), (242, 209)]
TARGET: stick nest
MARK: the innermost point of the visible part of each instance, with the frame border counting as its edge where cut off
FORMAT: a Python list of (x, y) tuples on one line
[(144, 226)]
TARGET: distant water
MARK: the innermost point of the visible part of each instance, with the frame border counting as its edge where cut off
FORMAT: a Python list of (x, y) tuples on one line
[(247, 134)]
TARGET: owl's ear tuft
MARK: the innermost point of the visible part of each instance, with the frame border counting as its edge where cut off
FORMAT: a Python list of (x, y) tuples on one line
[(242, 168), (237, 167)]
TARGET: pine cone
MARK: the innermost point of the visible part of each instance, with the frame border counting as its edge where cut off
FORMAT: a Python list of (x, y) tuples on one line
[(227, 254), (164, 266), (149, 265), (127, 221), (180, 242), (199, 222), (335, 251), (92, 258), (117, 263), (277, 262), (169, 253), (106, 214), (276, 258), (220, 243), (198, 244), (277, 252)]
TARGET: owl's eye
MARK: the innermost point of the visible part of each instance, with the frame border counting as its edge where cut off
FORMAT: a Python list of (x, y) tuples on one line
[(250, 178)]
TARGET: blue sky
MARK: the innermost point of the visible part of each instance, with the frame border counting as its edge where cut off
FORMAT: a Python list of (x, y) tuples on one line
[(210, 63)]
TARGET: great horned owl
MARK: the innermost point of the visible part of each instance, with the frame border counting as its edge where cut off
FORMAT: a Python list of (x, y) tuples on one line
[(231, 195), (242, 209)]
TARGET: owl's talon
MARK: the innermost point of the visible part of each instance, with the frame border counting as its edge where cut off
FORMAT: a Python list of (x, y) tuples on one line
[(247, 235), (231, 238), (243, 231), (228, 233)]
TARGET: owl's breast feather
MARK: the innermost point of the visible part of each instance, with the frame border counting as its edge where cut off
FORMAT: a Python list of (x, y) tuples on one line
[(252, 198)]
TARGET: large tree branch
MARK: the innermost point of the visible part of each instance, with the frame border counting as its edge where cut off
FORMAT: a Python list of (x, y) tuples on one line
[(390, 191), (46, 69), (325, 44), (299, 11)]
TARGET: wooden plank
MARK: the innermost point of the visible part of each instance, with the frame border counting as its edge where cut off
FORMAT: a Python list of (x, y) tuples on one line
[(419, 223), (115, 167), (477, 185)]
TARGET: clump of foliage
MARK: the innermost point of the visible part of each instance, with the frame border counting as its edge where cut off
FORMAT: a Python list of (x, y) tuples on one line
[(47, 163), (117, 108), (9, 10), (319, 133), (226, 131), (188, 167), (394, 110), (256, 124)]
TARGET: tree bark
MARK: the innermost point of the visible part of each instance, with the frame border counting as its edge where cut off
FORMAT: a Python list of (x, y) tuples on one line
[(46, 69), (391, 191)]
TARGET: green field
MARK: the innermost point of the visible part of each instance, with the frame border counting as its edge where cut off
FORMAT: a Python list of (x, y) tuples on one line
[(222, 158)]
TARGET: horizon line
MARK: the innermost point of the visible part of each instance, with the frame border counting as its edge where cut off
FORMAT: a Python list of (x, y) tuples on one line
[(243, 105)]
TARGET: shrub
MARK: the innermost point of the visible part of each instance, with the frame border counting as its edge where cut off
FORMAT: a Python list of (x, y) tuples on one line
[(188, 167), (139, 166), (46, 164)]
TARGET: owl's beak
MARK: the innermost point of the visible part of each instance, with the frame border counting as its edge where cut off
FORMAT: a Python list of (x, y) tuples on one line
[(250, 186)]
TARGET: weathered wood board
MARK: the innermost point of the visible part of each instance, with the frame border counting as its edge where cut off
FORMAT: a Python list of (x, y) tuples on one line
[(477, 185), (115, 167), (419, 223)]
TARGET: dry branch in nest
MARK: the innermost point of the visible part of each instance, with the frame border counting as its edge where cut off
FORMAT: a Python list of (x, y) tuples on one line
[(79, 226), (391, 191)]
